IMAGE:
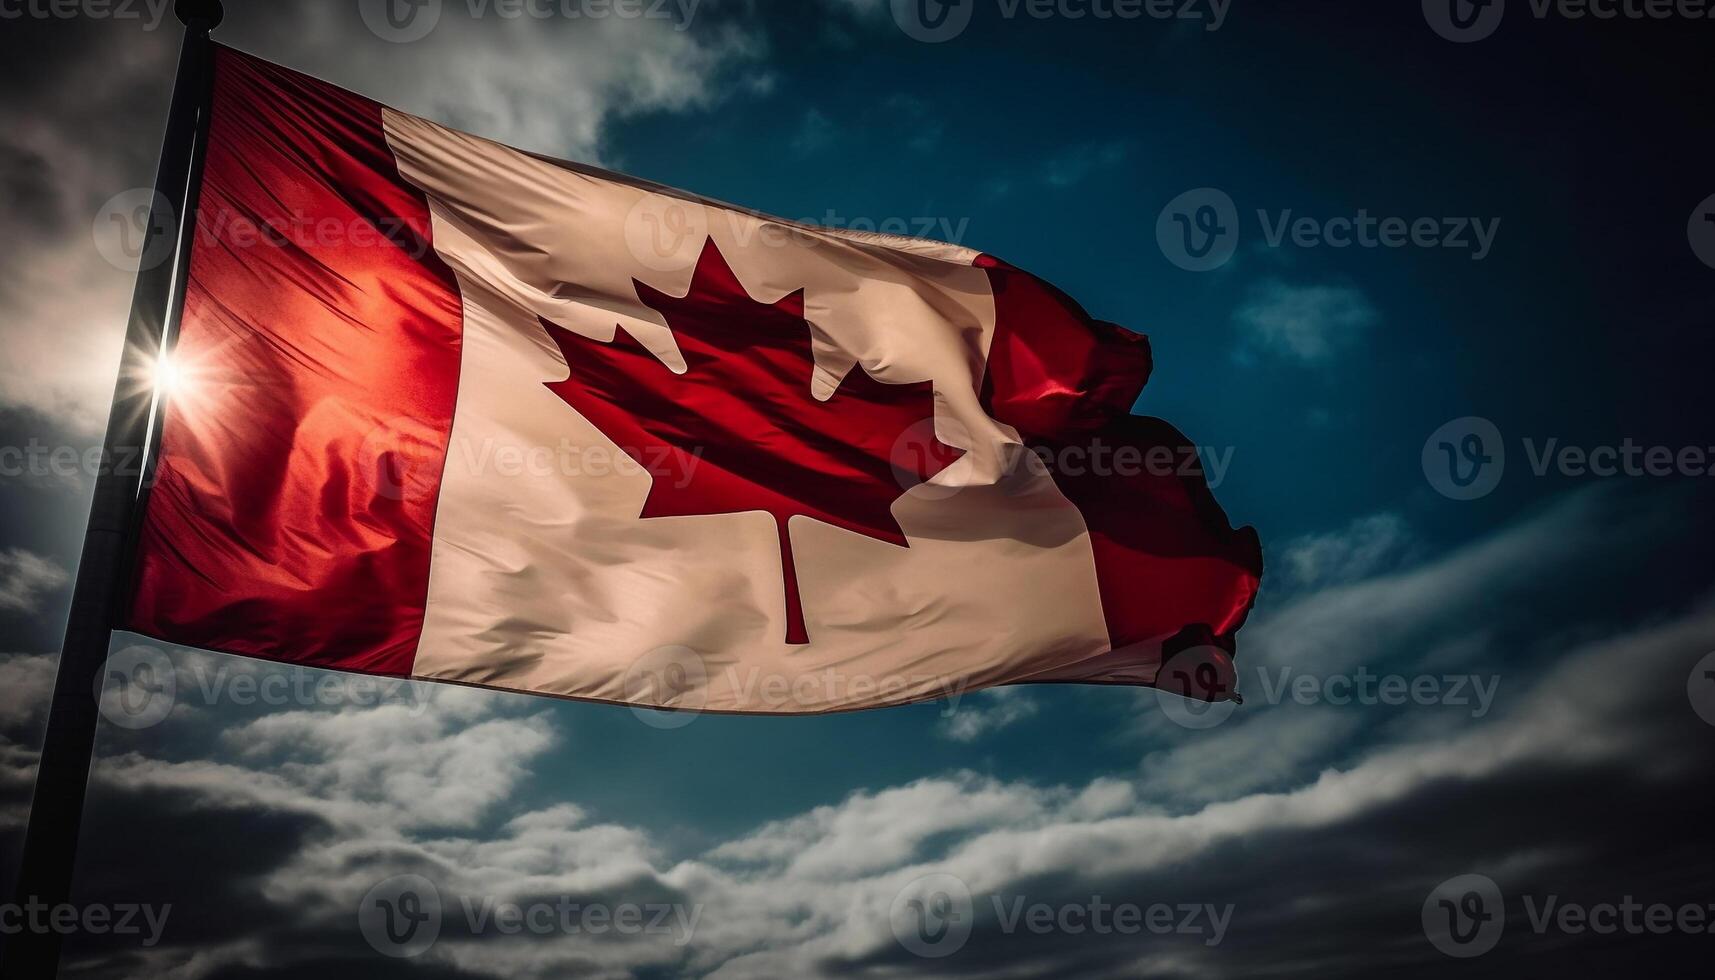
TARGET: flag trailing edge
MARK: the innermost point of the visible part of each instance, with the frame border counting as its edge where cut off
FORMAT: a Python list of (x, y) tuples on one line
[(462, 413)]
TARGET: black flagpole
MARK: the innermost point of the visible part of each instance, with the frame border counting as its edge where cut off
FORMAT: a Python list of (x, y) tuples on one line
[(98, 599)]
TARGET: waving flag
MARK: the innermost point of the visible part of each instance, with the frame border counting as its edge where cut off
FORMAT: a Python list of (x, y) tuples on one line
[(461, 413)]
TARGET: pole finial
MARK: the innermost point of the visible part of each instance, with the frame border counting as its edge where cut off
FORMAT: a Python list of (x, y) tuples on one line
[(200, 14)]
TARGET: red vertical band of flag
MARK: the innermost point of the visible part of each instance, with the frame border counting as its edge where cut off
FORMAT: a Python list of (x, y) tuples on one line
[(293, 513)]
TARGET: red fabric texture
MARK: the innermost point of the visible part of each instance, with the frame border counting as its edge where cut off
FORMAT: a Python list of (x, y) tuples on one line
[(300, 459), (1053, 371), (1168, 562)]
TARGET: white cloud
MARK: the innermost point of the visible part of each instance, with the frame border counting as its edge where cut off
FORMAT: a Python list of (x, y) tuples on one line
[(26, 681), (1343, 625), (387, 770), (1309, 324), (416, 769), (1360, 550), (1259, 749), (549, 85), (25, 579), (987, 712), (870, 833), (862, 9)]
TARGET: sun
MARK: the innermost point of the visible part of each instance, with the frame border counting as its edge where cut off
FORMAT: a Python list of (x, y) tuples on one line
[(168, 377)]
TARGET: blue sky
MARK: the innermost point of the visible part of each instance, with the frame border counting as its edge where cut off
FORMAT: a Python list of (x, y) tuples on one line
[(1581, 603)]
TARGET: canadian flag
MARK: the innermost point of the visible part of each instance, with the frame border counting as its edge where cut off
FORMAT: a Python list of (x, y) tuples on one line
[(461, 413)]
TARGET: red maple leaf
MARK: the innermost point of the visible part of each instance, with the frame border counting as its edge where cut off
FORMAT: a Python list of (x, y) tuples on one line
[(739, 431)]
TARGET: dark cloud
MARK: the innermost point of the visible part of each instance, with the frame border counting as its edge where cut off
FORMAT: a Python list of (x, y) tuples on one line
[(28, 192), (206, 861), (358, 966)]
